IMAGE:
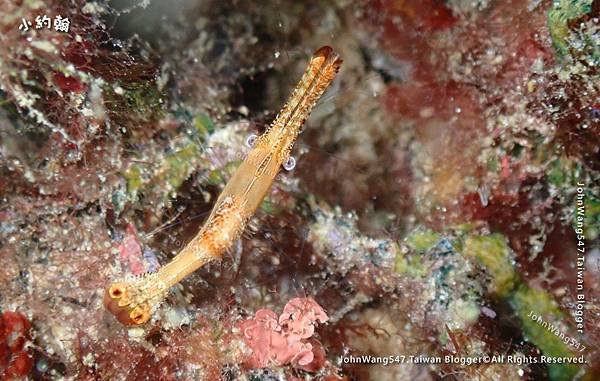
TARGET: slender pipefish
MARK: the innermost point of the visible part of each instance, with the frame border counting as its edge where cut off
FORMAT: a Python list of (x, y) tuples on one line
[(133, 301)]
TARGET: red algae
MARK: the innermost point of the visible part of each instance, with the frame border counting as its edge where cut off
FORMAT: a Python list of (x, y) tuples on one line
[(68, 84), (518, 215), (133, 362), (15, 358)]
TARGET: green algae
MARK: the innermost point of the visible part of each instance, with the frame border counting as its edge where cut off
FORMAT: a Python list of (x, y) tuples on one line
[(565, 38), (172, 171), (559, 16), (221, 175), (270, 207), (591, 216), (527, 300), (567, 176), (492, 251), (494, 254), (173, 168), (410, 265), (178, 166), (204, 125), (422, 240), (134, 105), (133, 176), (562, 172)]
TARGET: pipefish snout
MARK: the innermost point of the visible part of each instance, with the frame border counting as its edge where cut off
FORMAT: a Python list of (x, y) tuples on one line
[(133, 301)]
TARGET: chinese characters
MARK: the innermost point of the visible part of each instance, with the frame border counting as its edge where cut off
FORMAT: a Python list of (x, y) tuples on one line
[(61, 24)]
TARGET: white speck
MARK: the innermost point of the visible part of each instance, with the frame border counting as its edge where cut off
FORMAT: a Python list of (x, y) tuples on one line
[(277, 54), (87, 112), (29, 176), (289, 164), (520, 372), (426, 112), (46, 46), (88, 360), (176, 317), (243, 110), (42, 365), (488, 312), (136, 332), (93, 8), (484, 195)]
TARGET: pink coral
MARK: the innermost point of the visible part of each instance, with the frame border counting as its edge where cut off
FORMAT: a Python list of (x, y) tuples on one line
[(287, 339), (261, 335), (131, 255), (131, 251)]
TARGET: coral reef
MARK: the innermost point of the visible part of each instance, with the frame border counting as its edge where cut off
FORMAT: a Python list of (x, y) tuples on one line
[(444, 202)]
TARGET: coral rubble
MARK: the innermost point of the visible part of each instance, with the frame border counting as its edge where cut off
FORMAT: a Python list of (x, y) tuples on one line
[(444, 203)]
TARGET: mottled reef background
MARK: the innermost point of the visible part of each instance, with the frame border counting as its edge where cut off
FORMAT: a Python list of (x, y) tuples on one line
[(433, 206)]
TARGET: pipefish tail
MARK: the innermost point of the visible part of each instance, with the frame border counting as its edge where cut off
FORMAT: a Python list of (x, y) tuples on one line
[(132, 301)]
